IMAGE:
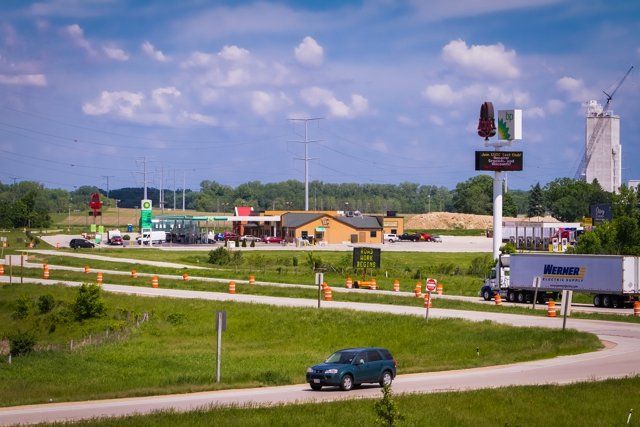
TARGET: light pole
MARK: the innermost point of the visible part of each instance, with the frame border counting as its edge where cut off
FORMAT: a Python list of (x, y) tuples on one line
[(429, 203), (117, 213)]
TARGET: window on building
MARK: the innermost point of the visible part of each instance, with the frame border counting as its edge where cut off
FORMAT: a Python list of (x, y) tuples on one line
[(394, 231), (373, 233), (304, 234)]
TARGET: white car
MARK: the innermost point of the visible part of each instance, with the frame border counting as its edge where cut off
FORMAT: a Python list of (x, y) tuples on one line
[(436, 239), (391, 238), (250, 238)]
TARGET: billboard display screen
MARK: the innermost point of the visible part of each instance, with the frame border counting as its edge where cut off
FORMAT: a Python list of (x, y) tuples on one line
[(498, 160)]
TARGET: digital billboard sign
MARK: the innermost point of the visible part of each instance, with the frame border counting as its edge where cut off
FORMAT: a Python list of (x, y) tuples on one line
[(498, 160)]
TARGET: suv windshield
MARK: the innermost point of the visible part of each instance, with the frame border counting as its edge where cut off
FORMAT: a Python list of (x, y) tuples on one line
[(342, 357)]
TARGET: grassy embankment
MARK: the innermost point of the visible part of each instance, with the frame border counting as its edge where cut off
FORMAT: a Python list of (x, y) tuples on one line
[(309, 292), (174, 350), (604, 403), (280, 266)]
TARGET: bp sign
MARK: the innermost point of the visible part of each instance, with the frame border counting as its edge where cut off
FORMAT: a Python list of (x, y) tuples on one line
[(366, 257), (146, 213)]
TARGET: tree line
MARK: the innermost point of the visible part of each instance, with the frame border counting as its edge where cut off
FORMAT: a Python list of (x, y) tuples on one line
[(30, 204)]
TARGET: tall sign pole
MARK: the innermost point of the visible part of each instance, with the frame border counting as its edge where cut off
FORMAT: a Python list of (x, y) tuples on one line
[(509, 129)]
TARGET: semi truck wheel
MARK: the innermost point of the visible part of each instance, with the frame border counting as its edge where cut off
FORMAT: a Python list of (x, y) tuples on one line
[(511, 296), (597, 300), (486, 295), (520, 296), (607, 301)]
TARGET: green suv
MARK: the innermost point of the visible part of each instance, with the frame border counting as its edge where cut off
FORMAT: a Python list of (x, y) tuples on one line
[(353, 366)]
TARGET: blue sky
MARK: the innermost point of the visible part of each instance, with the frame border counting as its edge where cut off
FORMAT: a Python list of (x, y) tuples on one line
[(206, 88)]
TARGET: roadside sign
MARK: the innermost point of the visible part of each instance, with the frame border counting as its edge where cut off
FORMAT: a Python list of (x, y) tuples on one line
[(319, 278), (366, 257), (146, 213), (431, 285)]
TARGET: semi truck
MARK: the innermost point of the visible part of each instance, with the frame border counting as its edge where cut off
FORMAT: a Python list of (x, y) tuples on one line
[(612, 280)]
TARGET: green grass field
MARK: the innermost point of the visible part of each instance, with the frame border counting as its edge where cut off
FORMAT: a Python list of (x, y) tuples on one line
[(585, 404), (174, 350)]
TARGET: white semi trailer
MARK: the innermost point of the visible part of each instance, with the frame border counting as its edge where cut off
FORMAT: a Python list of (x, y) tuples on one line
[(613, 280)]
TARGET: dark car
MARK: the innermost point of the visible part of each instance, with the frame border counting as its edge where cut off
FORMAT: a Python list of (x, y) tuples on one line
[(80, 243), (411, 237), (353, 366)]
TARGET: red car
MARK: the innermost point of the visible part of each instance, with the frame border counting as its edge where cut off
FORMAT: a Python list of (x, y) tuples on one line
[(273, 239)]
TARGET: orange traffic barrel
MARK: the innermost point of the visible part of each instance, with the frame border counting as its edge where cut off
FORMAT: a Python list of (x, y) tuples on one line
[(232, 287), (86, 268), (497, 298), (328, 295), (636, 309), (99, 278), (551, 308), (439, 289), (134, 274), (396, 285), (30, 245), (427, 300), (349, 283), (252, 280), (185, 276), (324, 286), (45, 271), (418, 290), (374, 284), (1, 269), (154, 282)]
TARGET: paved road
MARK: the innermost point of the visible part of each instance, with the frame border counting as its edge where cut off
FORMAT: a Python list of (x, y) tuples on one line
[(449, 244), (620, 358), (575, 307)]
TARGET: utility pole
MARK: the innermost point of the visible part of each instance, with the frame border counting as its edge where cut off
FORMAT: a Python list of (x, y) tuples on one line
[(107, 178), (184, 184), (145, 181), (174, 190), (14, 178), (161, 196), (306, 157)]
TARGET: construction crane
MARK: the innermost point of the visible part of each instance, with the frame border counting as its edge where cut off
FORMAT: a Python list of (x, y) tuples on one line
[(581, 173)]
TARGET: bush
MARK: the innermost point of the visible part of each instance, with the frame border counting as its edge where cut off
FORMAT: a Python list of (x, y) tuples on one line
[(45, 303), (21, 343), (508, 248), (387, 409), (219, 256), (22, 308), (126, 237), (176, 318), (481, 265), (88, 303)]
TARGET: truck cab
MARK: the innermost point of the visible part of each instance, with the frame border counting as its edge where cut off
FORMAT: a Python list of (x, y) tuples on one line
[(495, 283)]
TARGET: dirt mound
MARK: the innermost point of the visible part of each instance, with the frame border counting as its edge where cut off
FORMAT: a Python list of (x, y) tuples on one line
[(451, 221)]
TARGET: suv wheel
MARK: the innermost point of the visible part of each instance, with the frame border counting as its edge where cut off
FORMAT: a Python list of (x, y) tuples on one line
[(386, 379), (346, 383)]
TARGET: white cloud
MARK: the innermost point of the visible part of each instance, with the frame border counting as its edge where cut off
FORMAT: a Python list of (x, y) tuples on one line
[(200, 118), (309, 53), (115, 53), (316, 96), (121, 104), (153, 53), (233, 53), (534, 112), (443, 94), (199, 59), (9, 35), (23, 79), (263, 103), (555, 106), (436, 120), (161, 96), (380, 145), (76, 33), (490, 60), (574, 89)]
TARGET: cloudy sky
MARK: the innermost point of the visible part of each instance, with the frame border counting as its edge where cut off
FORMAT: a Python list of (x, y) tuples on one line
[(206, 90)]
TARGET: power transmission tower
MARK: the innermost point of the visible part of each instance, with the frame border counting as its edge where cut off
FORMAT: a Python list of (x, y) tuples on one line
[(174, 189), (184, 184), (306, 157), (107, 178)]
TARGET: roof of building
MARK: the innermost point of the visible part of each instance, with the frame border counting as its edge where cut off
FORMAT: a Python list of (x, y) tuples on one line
[(296, 219), (360, 221)]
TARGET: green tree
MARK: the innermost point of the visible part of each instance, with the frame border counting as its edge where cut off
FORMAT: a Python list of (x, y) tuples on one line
[(88, 303), (386, 408), (569, 199), (536, 201), (474, 196)]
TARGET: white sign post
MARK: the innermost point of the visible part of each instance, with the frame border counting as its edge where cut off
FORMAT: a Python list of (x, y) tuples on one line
[(319, 280), (536, 285), (221, 325), (430, 286)]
